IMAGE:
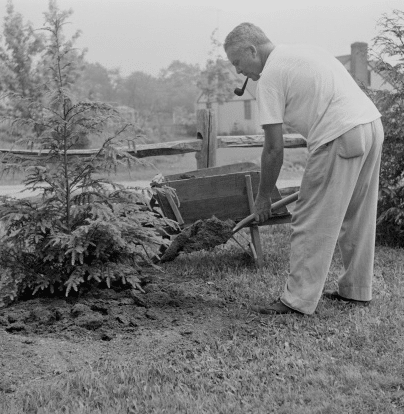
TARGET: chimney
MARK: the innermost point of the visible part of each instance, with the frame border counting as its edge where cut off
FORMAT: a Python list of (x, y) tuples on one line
[(359, 63)]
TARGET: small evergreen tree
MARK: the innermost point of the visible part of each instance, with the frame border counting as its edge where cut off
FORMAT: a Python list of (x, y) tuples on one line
[(388, 55), (83, 228)]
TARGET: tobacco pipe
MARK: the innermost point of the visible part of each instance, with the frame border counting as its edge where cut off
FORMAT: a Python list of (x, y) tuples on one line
[(240, 91)]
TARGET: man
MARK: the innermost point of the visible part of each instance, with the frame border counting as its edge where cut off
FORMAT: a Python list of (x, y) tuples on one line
[(310, 90)]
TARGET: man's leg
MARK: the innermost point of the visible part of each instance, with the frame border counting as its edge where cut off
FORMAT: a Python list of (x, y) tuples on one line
[(357, 237), (327, 187)]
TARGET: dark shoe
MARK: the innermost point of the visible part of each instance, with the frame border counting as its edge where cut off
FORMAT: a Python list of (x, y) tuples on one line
[(276, 308), (334, 295)]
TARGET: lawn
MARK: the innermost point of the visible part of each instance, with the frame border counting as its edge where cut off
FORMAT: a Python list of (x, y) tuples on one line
[(204, 351), (190, 343)]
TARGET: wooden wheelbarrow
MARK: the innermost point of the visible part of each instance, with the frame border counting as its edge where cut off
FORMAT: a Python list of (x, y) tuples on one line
[(225, 196)]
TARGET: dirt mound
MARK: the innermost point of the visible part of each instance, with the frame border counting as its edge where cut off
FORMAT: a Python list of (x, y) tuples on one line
[(202, 235), (100, 314), (43, 337)]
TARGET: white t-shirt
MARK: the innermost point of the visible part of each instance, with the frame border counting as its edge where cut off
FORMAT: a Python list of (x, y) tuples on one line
[(310, 90)]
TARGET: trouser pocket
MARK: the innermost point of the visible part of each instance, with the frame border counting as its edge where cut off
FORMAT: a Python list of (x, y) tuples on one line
[(317, 166), (352, 143)]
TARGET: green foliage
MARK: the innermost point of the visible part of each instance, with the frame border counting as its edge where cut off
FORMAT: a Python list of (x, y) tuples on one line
[(186, 120), (215, 82), (156, 102), (27, 66), (20, 48), (388, 54), (20, 72), (139, 91), (24, 68), (221, 358), (179, 83), (97, 83), (83, 227)]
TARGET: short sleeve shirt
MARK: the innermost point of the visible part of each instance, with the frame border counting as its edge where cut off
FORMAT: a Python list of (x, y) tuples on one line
[(310, 90)]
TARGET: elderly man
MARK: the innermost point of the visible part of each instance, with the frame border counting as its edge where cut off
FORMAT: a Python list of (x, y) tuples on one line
[(310, 90)]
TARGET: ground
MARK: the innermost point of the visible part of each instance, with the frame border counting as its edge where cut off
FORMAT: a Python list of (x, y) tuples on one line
[(41, 338)]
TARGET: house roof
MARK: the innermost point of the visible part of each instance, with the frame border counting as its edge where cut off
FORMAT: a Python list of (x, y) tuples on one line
[(344, 59)]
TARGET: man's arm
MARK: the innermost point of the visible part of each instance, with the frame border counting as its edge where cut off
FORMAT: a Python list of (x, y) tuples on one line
[(271, 163)]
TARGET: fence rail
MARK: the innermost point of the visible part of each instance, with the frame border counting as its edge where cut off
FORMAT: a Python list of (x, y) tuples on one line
[(205, 145), (174, 147)]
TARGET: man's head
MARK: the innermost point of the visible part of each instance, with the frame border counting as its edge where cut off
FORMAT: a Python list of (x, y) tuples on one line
[(247, 47)]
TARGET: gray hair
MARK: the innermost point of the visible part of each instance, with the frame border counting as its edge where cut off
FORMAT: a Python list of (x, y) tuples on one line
[(244, 35)]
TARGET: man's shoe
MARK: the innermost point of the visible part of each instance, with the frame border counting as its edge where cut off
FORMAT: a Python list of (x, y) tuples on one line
[(334, 295), (276, 308)]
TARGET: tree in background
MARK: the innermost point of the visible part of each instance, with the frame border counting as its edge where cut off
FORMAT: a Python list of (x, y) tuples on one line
[(215, 81), (179, 84), (388, 54), (179, 81), (20, 72), (159, 104), (140, 91), (97, 83), (25, 68)]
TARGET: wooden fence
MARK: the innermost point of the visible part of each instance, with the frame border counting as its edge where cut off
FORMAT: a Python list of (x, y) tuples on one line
[(204, 145)]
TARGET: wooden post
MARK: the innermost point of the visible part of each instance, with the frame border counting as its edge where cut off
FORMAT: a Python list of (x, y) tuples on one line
[(206, 131), (256, 247)]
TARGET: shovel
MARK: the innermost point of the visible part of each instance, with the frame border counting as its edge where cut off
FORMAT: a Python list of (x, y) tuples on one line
[(275, 206), (205, 234)]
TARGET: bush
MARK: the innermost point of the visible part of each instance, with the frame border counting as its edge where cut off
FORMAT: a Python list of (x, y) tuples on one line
[(388, 54), (81, 229)]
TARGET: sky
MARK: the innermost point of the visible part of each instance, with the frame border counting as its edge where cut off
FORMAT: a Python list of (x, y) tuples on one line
[(147, 35)]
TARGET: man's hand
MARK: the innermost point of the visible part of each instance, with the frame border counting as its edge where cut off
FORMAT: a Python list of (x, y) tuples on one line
[(262, 208)]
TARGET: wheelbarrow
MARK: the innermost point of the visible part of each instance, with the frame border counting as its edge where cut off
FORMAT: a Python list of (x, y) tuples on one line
[(228, 196)]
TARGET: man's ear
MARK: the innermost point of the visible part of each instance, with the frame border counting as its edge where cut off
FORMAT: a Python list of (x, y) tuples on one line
[(253, 50)]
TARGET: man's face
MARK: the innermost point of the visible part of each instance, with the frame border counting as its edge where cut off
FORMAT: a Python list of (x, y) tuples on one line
[(246, 61)]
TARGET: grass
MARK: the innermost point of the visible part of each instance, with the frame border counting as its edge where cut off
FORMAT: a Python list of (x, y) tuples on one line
[(343, 359)]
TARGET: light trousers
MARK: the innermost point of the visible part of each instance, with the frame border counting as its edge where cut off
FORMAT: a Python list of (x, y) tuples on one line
[(337, 204)]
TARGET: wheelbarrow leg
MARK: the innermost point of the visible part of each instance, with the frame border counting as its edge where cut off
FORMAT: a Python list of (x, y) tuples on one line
[(255, 246)]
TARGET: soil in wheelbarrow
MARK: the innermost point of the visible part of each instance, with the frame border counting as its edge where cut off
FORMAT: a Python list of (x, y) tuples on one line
[(202, 235)]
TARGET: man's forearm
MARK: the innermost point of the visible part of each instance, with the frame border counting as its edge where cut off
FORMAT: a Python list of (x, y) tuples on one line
[(271, 159), (271, 164)]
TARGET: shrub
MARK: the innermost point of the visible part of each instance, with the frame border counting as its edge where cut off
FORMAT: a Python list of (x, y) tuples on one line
[(83, 228), (388, 55)]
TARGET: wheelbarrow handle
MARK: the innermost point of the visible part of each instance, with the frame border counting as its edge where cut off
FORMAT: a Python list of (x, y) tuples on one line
[(275, 206)]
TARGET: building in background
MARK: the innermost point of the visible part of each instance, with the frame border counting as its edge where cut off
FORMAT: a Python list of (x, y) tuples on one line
[(239, 116)]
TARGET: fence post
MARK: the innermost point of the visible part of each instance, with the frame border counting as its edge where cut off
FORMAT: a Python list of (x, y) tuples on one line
[(206, 131)]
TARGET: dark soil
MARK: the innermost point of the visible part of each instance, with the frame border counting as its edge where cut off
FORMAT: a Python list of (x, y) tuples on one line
[(42, 338), (201, 235)]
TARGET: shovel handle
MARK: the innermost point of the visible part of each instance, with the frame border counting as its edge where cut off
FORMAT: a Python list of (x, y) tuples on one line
[(275, 206)]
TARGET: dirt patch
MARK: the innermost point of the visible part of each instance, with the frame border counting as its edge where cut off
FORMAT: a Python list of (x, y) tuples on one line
[(42, 338)]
